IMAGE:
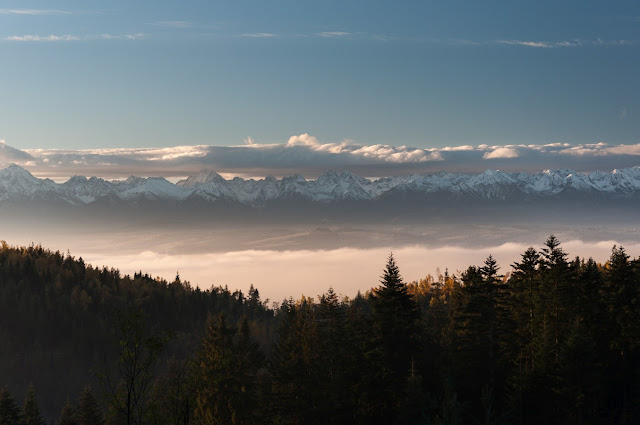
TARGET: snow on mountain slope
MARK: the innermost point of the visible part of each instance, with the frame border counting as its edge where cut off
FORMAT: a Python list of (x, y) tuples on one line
[(17, 184), (155, 188)]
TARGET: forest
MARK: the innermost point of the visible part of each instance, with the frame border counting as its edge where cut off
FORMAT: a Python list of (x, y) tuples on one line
[(549, 339)]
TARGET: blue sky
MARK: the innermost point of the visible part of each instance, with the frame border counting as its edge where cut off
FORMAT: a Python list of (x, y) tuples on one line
[(425, 74)]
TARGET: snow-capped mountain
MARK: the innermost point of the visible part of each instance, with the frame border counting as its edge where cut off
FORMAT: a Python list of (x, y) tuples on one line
[(18, 185)]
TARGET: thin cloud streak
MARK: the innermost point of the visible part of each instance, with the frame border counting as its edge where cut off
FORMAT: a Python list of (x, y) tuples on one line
[(259, 35), (69, 37), (566, 44), (34, 12), (333, 34)]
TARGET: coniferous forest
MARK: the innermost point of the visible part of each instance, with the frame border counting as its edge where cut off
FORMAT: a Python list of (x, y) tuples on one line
[(548, 340)]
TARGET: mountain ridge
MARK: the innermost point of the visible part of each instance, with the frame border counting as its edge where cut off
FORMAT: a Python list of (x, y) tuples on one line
[(18, 184)]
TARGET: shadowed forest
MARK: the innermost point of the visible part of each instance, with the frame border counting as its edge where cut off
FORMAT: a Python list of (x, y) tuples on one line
[(547, 340)]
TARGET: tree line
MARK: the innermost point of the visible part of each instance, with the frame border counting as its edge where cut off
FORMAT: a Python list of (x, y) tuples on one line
[(554, 340)]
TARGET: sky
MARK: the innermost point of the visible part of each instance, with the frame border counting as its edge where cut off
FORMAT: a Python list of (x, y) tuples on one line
[(410, 76)]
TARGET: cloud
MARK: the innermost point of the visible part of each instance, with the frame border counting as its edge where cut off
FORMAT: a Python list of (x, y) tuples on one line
[(542, 44), (9, 155), (34, 12), (24, 38), (333, 34), (303, 140), (576, 42), (69, 37), (501, 153), (307, 155), (258, 35)]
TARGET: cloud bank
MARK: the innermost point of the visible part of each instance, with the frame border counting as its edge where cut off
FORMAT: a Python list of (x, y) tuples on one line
[(305, 154)]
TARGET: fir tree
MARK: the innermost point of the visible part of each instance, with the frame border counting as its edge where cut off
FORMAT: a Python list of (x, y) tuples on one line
[(524, 285), (88, 411), (395, 344), (227, 368), (9, 411), (67, 415), (30, 409)]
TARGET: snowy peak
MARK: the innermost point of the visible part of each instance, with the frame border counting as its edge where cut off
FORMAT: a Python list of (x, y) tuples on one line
[(203, 177), (14, 171), (17, 184)]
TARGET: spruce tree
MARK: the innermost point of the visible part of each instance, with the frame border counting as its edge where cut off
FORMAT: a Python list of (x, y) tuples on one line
[(294, 364), (483, 332), (88, 411), (9, 411), (227, 367), (524, 286), (559, 297), (334, 401), (67, 415), (623, 299), (396, 340), (30, 409)]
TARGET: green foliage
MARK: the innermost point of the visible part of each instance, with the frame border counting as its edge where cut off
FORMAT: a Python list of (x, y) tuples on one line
[(67, 415), (555, 342), (227, 367), (30, 409), (9, 412), (88, 410), (57, 320)]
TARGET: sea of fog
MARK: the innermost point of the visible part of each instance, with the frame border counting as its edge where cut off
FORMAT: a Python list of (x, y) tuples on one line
[(279, 274), (290, 260)]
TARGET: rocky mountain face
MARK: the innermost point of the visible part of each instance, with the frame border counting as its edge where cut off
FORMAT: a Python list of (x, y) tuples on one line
[(18, 185)]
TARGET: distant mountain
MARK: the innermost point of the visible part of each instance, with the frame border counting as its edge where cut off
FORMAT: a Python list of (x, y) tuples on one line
[(17, 185)]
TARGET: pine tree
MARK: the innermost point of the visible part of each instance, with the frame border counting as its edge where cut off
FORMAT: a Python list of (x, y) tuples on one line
[(227, 367), (559, 297), (30, 409), (396, 340), (67, 415), (334, 404), (88, 411), (483, 332), (524, 286), (623, 299), (9, 411), (294, 361)]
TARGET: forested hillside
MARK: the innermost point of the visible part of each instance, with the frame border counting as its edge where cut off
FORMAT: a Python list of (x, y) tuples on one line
[(556, 340)]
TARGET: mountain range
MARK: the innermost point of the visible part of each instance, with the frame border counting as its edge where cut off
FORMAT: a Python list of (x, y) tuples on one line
[(18, 185)]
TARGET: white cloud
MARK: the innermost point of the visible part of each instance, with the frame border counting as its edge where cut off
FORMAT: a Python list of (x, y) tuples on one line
[(258, 35), (34, 12), (333, 34), (307, 155), (576, 42), (501, 152), (24, 38), (69, 37), (302, 140)]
